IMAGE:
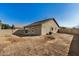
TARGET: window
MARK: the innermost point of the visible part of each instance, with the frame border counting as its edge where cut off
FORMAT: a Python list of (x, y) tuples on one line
[(26, 31)]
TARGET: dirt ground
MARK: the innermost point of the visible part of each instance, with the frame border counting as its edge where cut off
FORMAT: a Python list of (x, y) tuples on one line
[(48, 45)]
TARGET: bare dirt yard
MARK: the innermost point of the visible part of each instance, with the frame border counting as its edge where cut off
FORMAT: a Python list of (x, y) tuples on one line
[(48, 45)]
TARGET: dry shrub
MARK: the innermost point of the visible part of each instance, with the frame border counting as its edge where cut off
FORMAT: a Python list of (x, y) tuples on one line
[(32, 46), (35, 47), (7, 36), (3, 45), (12, 40), (49, 37), (65, 38), (32, 49), (69, 31), (24, 49), (15, 40)]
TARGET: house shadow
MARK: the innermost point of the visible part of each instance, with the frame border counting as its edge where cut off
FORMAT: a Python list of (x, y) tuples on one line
[(20, 33), (74, 46)]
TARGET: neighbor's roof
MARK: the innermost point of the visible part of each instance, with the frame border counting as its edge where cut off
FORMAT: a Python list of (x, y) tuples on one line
[(42, 21)]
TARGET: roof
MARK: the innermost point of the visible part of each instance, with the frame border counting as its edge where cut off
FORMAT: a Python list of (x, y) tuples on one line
[(42, 21)]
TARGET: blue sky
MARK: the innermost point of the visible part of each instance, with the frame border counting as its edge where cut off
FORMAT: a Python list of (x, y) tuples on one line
[(26, 13)]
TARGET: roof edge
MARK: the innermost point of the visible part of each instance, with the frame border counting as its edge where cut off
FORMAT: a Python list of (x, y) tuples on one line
[(46, 20)]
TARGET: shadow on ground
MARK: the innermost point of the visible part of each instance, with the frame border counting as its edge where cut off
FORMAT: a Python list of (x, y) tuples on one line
[(20, 33), (74, 47)]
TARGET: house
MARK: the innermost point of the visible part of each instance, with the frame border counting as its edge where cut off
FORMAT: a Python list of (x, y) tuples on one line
[(44, 27)]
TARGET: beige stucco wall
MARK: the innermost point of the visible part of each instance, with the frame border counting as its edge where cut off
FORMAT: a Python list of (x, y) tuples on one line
[(34, 30), (46, 27)]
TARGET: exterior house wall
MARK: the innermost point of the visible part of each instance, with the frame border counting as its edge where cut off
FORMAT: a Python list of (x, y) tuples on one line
[(33, 30), (47, 27)]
